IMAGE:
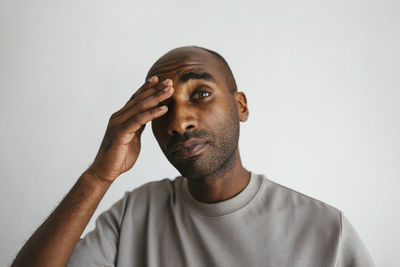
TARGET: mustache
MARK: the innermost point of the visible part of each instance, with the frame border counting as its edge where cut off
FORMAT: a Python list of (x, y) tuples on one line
[(191, 134)]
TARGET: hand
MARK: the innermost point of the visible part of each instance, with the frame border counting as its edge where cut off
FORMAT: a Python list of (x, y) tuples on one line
[(120, 147)]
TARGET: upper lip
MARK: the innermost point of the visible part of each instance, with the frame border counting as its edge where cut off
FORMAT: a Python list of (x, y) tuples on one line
[(175, 148)]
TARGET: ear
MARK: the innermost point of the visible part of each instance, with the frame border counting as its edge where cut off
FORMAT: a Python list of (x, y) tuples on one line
[(241, 104)]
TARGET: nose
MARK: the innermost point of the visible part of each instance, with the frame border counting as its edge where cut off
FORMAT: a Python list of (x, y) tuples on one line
[(182, 119)]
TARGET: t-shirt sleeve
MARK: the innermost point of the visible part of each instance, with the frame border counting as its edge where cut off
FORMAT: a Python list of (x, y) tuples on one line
[(99, 247), (352, 252)]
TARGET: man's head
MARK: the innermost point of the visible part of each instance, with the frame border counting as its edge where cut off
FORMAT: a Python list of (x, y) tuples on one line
[(199, 133), (230, 79)]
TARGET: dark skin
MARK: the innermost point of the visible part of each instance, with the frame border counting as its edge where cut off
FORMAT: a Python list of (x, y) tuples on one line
[(202, 103), (198, 134)]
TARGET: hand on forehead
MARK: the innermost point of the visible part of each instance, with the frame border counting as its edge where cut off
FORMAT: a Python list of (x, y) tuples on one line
[(193, 59)]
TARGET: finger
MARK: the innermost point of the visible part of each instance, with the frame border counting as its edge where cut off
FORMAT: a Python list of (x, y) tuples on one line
[(151, 82), (150, 102), (146, 92), (151, 91), (148, 84), (135, 123)]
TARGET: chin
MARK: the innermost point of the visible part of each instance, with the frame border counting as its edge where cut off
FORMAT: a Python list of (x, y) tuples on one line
[(198, 168), (192, 169)]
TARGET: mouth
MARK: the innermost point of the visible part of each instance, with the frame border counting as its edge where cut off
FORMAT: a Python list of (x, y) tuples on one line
[(187, 149)]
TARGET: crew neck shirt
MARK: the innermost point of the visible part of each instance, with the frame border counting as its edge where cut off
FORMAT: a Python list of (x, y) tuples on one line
[(266, 224)]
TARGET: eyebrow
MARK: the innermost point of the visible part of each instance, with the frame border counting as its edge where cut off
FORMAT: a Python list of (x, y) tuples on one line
[(197, 76)]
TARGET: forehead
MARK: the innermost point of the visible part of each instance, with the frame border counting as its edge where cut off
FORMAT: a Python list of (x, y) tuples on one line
[(183, 59)]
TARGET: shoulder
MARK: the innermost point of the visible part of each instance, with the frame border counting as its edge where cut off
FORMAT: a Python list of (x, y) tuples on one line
[(296, 199), (296, 205), (164, 187), (161, 191), (315, 222)]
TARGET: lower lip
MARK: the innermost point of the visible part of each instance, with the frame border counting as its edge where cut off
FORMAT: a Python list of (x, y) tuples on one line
[(189, 152)]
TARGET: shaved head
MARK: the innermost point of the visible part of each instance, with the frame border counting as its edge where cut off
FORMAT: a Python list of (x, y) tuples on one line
[(186, 51)]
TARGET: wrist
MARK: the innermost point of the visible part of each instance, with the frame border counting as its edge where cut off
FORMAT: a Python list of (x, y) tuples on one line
[(92, 177)]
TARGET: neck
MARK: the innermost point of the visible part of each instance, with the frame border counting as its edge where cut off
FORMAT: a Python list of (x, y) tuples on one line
[(221, 185)]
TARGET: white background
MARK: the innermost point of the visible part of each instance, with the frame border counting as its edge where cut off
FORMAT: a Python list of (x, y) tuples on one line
[(321, 77)]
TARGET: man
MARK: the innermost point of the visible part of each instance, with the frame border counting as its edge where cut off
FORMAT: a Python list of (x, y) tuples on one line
[(216, 214)]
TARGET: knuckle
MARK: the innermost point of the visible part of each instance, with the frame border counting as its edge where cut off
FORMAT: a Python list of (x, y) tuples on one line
[(141, 119), (116, 115), (113, 116), (157, 99), (134, 95), (112, 132), (145, 105), (153, 112), (112, 122)]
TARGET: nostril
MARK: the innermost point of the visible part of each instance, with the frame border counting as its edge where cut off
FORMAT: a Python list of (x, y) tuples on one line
[(180, 126)]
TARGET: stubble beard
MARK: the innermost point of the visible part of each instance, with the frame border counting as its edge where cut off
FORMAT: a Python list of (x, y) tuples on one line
[(219, 157)]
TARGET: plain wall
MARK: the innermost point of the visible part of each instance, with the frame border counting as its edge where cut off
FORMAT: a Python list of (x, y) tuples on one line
[(321, 77)]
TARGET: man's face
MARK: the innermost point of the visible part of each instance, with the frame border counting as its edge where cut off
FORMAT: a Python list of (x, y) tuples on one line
[(199, 133)]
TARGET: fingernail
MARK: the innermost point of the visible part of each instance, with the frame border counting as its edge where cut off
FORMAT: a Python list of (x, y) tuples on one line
[(163, 107), (151, 79), (166, 82), (166, 89)]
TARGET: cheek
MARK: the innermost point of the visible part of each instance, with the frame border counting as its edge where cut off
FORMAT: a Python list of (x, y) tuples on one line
[(221, 117), (228, 112)]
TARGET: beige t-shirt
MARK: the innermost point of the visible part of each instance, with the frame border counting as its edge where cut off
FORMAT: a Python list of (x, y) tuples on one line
[(161, 224)]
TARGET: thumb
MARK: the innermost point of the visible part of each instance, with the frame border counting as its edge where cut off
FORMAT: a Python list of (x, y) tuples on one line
[(136, 140), (140, 131)]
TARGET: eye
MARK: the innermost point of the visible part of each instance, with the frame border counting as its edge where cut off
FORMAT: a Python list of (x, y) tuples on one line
[(199, 94)]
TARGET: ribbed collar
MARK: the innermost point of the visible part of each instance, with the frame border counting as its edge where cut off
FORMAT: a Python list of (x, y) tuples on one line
[(224, 207)]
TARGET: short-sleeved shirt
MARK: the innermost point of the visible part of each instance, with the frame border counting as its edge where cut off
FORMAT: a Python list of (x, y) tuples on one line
[(266, 224)]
